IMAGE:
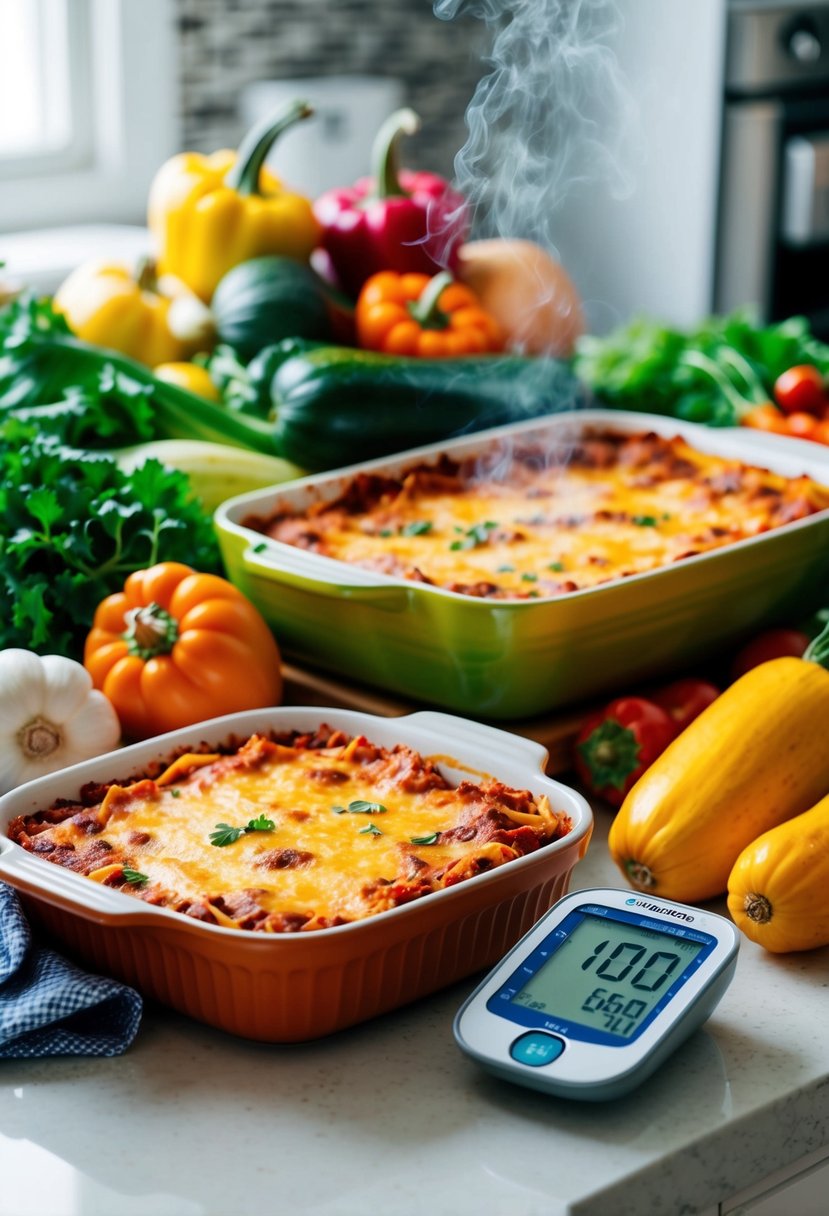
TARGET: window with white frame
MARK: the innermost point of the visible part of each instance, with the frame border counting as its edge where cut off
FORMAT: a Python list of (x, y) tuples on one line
[(88, 108), (45, 111)]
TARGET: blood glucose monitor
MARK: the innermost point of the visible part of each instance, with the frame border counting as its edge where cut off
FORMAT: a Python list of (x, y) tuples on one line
[(601, 990)]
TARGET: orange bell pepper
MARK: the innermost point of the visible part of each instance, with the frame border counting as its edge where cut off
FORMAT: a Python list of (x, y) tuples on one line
[(412, 314), (176, 647)]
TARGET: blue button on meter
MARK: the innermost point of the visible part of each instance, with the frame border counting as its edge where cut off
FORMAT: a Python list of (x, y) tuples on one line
[(536, 1049), (603, 988)]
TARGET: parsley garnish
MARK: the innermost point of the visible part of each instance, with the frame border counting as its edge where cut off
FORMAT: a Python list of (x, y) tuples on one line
[(174, 793), (478, 534), (644, 521), (360, 807), (225, 834), (529, 578), (418, 527), (506, 569), (369, 830), (432, 838), (555, 566), (386, 532), (135, 877), (260, 548)]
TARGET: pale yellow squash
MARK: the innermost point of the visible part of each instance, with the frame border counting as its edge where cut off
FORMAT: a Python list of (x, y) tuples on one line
[(778, 890), (756, 757)]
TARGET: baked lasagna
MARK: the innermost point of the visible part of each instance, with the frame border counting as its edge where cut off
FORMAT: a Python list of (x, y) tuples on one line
[(290, 833), (536, 521)]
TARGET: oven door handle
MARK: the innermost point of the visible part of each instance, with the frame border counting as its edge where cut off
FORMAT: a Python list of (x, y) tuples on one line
[(310, 572)]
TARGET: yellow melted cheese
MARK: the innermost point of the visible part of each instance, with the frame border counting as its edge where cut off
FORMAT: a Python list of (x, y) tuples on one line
[(543, 536), (179, 819)]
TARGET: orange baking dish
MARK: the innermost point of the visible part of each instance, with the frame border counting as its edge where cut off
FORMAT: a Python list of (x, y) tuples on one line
[(288, 987)]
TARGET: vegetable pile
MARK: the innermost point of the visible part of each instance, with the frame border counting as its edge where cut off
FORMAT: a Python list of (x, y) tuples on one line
[(729, 371)]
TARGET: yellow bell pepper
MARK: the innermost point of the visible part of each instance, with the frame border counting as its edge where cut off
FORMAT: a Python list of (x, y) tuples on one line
[(131, 311), (209, 213)]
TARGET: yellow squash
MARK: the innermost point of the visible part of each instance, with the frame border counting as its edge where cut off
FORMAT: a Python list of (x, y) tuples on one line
[(754, 758), (154, 320), (777, 891)]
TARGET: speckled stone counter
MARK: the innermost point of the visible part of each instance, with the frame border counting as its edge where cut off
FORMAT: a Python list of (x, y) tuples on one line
[(389, 1117)]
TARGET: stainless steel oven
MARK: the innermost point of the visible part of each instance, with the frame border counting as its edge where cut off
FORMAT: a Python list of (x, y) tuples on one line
[(773, 226)]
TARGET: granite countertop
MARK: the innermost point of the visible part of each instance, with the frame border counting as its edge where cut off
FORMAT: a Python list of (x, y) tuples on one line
[(389, 1116)]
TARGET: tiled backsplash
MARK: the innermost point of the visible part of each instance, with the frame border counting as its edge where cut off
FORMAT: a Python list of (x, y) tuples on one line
[(226, 44)]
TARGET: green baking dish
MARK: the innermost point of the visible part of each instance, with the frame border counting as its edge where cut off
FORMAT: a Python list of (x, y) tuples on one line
[(512, 659)]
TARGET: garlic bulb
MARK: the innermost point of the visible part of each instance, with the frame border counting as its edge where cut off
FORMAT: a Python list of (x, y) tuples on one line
[(50, 716)]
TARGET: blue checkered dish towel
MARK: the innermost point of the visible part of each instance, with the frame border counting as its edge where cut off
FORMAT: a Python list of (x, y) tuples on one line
[(50, 1008)]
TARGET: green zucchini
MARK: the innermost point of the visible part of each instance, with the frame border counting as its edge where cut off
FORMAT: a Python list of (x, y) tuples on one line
[(336, 405)]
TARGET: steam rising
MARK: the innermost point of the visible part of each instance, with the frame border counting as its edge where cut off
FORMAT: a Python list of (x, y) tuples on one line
[(553, 111)]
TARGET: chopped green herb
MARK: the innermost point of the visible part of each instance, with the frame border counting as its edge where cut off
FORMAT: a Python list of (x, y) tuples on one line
[(260, 548), (135, 877), (386, 532), (418, 527), (360, 807), (555, 566), (225, 834), (260, 824), (532, 595), (174, 793), (432, 838), (506, 569), (369, 830), (527, 577), (644, 521), (478, 534)]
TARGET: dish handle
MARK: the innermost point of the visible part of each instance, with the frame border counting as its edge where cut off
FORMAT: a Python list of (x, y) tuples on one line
[(497, 742), (23, 871), (361, 585)]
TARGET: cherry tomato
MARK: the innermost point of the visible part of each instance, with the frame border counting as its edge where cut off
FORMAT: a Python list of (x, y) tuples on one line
[(800, 389), (772, 644), (617, 744), (801, 425), (685, 699), (766, 418)]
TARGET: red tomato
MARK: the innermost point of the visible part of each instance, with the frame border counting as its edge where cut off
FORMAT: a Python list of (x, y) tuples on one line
[(617, 744), (685, 699), (773, 644), (800, 389)]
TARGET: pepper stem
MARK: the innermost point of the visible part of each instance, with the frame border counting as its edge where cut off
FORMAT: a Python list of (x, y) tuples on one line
[(385, 150), (151, 631), (243, 176), (425, 309)]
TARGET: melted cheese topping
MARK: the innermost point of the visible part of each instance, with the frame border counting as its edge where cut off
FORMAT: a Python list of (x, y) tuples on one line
[(540, 528), (324, 854)]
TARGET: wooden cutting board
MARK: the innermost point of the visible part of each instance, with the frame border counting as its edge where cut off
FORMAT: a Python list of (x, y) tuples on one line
[(303, 686)]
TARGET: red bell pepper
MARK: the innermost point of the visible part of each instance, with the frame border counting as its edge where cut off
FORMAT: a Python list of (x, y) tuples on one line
[(685, 699), (396, 220), (617, 744)]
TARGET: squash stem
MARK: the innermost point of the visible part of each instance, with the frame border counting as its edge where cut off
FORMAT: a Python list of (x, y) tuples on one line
[(818, 649), (758, 908)]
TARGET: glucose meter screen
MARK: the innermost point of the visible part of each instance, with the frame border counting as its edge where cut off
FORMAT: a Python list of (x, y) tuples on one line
[(608, 976)]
